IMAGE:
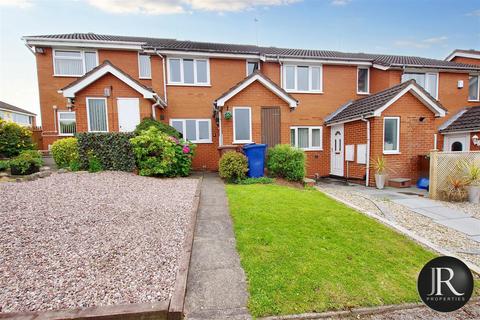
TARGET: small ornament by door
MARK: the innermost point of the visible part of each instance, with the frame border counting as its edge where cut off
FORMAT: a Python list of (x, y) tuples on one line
[(227, 115)]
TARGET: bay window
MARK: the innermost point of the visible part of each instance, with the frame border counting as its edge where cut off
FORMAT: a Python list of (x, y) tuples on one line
[(363, 77), (194, 130), (473, 88), (242, 125), (73, 63), (308, 138), (391, 135), (428, 81), (302, 78), (144, 66), (97, 114), (188, 71), (66, 123)]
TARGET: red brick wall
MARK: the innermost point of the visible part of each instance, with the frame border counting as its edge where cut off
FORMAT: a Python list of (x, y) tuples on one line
[(355, 134), (466, 60)]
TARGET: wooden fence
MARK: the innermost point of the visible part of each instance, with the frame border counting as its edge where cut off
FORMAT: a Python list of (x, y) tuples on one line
[(447, 166), (37, 137)]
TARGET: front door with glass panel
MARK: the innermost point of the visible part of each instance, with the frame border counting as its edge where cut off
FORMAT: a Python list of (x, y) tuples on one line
[(128, 114), (336, 150)]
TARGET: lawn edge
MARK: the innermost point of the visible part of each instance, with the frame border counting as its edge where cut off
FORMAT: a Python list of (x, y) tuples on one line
[(402, 230)]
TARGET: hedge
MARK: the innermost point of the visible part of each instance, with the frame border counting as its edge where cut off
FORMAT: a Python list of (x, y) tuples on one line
[(113, 150), (286, 162)]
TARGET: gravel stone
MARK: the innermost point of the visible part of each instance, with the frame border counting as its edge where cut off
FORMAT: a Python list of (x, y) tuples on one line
[(81, 240)]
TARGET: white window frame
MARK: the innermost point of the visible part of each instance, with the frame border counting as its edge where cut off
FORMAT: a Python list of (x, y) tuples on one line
[(82, 53), (437, 75), (182, 83), (88, 112), (310, 130), (197, 129), (397, 150), (58, 116), (478, 88), (310, 66), (234, 130), (368, 80), (139, 68), (251, 61)]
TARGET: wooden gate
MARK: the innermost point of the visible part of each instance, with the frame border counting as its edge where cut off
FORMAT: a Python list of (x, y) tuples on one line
[(271, 126)]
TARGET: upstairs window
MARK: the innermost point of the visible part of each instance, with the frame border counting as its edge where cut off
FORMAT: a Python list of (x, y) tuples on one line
[(144, 66), (67, 125), (308, 138), (391, 135), (428, 81), (473, 88), (363, 77), (188, 71), (302, 78), (74, 63), (252, 66), (194, 130)]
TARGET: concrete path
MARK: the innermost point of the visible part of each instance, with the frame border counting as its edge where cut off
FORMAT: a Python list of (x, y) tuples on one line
[(216, 285), (435, 210)]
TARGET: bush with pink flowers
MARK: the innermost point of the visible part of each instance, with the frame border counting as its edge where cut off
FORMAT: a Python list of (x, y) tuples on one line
[(161, 155)]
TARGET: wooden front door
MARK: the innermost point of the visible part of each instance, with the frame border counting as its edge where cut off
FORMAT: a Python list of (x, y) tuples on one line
[(271, 126)]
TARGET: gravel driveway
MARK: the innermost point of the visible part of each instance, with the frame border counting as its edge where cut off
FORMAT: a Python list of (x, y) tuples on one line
[(78, 239)]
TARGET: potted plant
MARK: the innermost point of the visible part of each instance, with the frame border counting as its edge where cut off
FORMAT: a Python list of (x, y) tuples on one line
[(27, 162), (472, 178), (228, 115), (380, 167)]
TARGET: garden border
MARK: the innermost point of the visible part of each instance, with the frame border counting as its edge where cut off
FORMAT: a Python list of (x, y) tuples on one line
[(171, 309)]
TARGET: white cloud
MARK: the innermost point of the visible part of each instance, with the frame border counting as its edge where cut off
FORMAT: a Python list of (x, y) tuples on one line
[(16, 3), (475, 13), (421, 44), (340, 2), (155, 7)]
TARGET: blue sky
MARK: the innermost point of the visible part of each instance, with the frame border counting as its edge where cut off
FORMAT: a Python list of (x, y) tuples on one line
[(431, 28)]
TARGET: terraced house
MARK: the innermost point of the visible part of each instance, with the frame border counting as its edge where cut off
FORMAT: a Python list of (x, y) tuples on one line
[(343, 109)]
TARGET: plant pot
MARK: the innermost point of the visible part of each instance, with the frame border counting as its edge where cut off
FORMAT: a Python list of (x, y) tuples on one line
[(17, 172), (473, 194), (380, 180)]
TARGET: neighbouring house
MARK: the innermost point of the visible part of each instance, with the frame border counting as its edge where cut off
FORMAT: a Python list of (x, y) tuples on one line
[(464, 56), (341, 108), (462, 131), (18, 115)]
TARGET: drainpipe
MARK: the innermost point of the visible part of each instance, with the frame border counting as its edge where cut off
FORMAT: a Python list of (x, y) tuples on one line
[(367, 175), (220, 133), (164, 76), (281, 70)]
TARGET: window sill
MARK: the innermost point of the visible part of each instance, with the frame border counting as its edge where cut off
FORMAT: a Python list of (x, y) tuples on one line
[(311, 149), (66, 134), (68, 76), (363, 93), (391, 152), (188, 85), (242, 142), (473, 100), (304, 92), (201, 142), (144, 78)]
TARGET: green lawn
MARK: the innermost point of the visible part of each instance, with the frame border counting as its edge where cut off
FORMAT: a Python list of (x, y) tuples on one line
[(304, 252)]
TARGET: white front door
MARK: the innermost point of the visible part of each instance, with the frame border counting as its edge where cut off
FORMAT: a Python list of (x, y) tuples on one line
[(128, 114), (336, 150), (457, 142)]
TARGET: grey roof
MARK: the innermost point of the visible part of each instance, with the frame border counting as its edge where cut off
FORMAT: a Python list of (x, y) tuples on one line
[(366, 107), (467, 119), (9, 107), (182, 45)]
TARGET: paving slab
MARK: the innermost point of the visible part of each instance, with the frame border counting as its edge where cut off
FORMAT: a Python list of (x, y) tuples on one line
[(416, 202), (428, 214), (218, 228), (446, 213), (469, 226), (389, 196), (475, 238), (208, 254)]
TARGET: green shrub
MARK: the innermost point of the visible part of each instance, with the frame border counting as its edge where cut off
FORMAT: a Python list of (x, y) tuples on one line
[(113, 150), (158, 154), (94, 164), (163, 127), (75, 165), (261, 180), (65, 151), (27, 162), (4, 165), (287, 162), (233, 166), (14, 139)]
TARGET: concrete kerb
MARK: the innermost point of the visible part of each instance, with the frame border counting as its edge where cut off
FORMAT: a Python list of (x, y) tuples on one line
[(422, 241), (171, 309)]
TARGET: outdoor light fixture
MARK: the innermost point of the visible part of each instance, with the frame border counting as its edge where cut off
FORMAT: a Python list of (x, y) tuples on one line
[(476, 140)]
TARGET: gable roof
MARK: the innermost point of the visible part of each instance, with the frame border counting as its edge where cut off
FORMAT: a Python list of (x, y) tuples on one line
[(474, 54), (467, 119), (9, 107), (107, 67), (263, 79), (375, 104), (146, 43)]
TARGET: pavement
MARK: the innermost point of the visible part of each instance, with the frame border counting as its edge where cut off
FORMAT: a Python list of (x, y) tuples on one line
[(216, 285)]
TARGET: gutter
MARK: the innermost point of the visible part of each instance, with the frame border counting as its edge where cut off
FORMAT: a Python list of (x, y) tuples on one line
[(164, 76), (367, 169)]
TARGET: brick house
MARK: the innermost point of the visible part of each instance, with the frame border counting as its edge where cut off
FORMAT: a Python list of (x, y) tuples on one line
[(18, 115), (91, 82)]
